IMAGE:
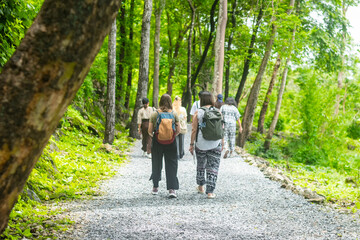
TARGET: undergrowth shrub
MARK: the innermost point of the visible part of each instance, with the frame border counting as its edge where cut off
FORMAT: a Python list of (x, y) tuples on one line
[(353, 131)]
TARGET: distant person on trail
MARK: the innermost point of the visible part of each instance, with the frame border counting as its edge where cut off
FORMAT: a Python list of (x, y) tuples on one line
[(196, 105), (163, 127), (219, 101), (208, 152), (181, 112), (143, 125), (231, 116)]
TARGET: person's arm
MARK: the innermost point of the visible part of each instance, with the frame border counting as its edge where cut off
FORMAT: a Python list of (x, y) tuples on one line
[(139, 121), (193, 133), (240, 127), (177, 124), (151, 129), (139, 128)]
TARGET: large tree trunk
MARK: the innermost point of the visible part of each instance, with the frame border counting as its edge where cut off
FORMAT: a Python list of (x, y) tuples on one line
[(131, 37), (248, 57), (253, 97), (254, 93), (159, 5), (122, 46), (265, 105), (111, 81), (219, 48), (231, 36), (40, 81), (143, 65), (188, 83)]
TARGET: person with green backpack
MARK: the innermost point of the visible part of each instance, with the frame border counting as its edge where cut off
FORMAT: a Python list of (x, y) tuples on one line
[(208, 133)]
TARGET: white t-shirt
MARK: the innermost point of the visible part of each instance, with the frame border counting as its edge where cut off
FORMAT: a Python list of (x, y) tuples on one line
[(195, 107)]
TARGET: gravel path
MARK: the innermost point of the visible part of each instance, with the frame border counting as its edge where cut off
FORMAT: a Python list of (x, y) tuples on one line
[(248, 206)]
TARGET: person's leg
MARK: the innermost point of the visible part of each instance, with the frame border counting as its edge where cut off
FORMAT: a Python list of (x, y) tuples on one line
[(200, 168), (171, 166), (232, 136), (144, 127), (156, 160), (212, 168), (181, 146), (226, 140), (177, 139)]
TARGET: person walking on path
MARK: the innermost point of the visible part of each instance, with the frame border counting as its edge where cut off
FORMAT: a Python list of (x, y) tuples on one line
[(181, 112), (219, 101), (143, 126), (231, 116), (196, 105), (208, 152), (157, 123)]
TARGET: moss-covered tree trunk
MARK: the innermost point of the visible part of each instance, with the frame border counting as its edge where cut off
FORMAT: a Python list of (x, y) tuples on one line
[(143, 65), (39, 82), (111, 83)]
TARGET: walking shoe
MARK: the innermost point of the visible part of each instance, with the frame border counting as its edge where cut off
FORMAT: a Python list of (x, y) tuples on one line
[(200, 189), (172, 193), (155, 191), (211, 195), (226, 153), (144, 154), (148, 155), (232, 154)]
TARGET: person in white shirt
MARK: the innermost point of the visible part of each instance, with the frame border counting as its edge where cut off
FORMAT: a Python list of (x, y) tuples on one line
[(181, 112), (196, 105)]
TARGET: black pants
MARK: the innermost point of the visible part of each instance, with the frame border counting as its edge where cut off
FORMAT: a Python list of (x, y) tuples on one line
[(171, 164), (180, 146)]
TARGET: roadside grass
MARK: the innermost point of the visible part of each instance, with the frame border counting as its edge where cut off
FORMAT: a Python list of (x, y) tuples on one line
[(340, 186), (71, 166)]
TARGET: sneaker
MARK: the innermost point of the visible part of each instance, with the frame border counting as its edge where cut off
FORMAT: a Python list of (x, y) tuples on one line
[(172, 193), (155, 191), (148, 155), (144, 154), (232, 154), (226, 154), (200, 189), (211, 195)]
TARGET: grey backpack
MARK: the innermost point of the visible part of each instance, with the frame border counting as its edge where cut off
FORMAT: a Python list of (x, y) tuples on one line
[(212, 127)]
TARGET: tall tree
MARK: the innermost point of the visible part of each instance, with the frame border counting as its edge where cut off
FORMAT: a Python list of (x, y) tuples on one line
[(40, 81), (143, 65), (219, 48), (122, 46), (130, 70), (111, 82), (231, 36), (274, 121), (266, 102), (159, 5), (188, 82), (249, 55), (253, 96)]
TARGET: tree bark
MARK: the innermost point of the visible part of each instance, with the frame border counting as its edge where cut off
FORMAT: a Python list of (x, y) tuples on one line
[(159, 5), (143, 65), (219, 48), (122, 47), (254, 93), (231, 36), (265, 105), (131, 37), (40, 81), (111, 82), (248, 57), (253, 97), (188, 83)]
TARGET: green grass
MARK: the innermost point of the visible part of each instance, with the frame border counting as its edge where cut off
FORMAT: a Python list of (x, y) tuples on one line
[(71, 166)]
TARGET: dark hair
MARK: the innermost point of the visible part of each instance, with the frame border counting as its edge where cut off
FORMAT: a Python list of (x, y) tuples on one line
[(231, 101), (200, 93), (206, 99), (145, 100), (165, 103)]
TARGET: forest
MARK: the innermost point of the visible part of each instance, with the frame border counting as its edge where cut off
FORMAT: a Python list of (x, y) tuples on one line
[(291, 65)]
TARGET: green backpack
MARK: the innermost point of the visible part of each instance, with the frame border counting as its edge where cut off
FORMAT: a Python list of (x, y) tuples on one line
[(212, 127)]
